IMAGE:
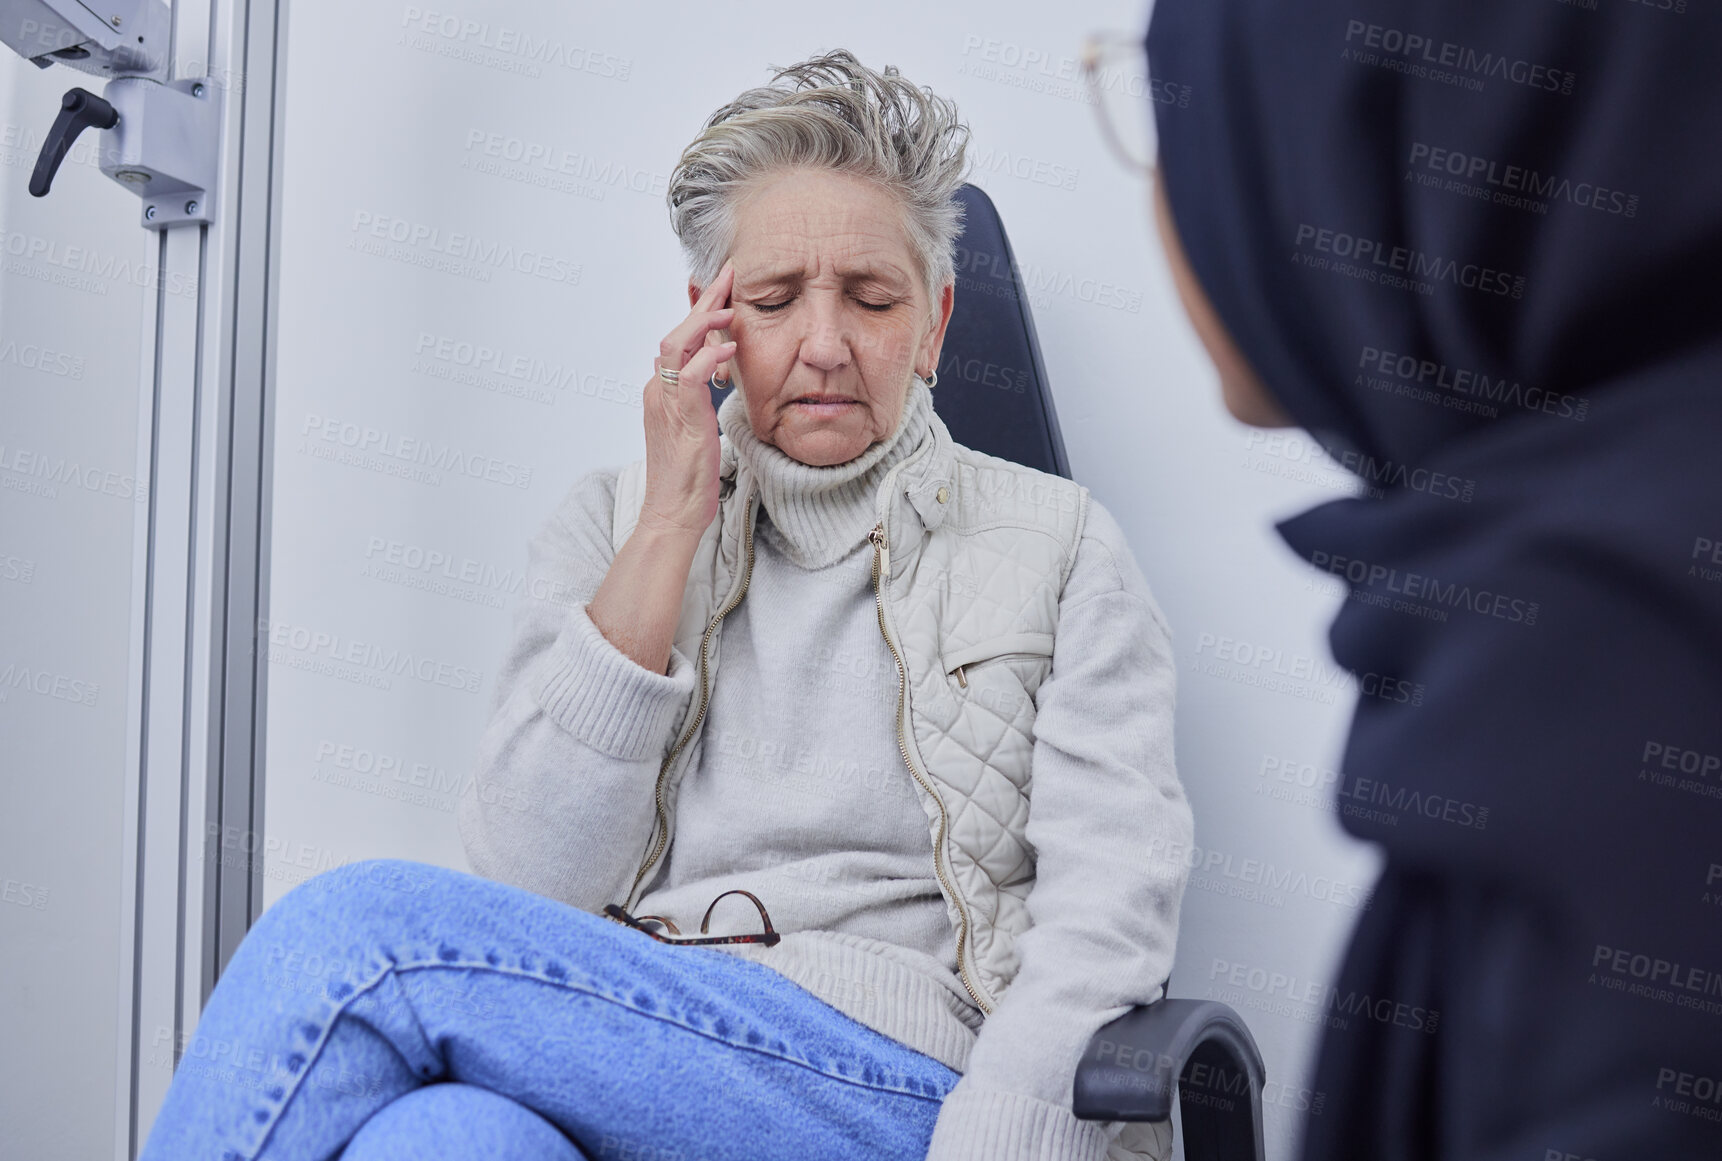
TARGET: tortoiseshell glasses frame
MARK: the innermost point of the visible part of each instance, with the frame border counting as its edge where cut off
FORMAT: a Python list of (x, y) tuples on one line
[(769, 936)]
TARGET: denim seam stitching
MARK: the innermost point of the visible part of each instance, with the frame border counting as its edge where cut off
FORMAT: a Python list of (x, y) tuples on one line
[(312, 1054), (316, 1051), (518, 973)]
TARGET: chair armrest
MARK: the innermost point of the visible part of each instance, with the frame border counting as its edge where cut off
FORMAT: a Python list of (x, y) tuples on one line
[(1130, 1066)]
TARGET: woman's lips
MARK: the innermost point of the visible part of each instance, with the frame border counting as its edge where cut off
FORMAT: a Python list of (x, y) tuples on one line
[(826, 405)]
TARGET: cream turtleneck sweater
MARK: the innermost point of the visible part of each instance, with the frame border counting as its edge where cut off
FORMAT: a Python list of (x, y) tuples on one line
[(800, 745), (821, 514), (796, 790)]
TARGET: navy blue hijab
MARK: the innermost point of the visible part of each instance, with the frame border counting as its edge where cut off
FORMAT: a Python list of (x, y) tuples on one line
[(1476, 249)]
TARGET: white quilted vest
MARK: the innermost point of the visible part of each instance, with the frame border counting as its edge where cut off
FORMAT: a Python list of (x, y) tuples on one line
[(975, 551)]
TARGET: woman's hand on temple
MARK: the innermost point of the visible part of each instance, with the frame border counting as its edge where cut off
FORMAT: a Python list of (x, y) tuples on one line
[(639, 603), (681, 425)]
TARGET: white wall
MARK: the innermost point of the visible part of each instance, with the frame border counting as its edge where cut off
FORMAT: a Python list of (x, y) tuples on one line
[(77, 289), (390, 109)]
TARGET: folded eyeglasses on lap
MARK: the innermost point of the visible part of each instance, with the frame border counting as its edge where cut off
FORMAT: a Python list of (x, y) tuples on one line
[(638, 923)]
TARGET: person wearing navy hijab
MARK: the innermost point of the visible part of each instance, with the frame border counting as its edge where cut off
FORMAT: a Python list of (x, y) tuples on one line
[(1475, 248)]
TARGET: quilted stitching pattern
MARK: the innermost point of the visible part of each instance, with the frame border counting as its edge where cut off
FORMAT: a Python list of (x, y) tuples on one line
[(992, 565), (993, 569)]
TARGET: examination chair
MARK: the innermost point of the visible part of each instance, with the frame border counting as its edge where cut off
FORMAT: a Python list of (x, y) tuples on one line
[(994, 396)]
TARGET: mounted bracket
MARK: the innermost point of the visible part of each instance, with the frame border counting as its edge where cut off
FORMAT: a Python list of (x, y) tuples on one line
[(161, 139), (165, 146), (158, 140)]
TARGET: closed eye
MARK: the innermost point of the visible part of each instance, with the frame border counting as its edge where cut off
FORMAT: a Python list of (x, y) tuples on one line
[(771, 307)]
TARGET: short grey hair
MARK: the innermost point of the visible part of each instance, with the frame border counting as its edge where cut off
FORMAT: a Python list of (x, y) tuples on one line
[(829, 112)]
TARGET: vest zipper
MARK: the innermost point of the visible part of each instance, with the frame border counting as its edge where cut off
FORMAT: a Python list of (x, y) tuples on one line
[(699, 715), (882, 573), (962, 678)]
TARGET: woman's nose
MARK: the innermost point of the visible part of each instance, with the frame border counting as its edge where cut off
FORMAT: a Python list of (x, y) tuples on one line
[(826, 344)]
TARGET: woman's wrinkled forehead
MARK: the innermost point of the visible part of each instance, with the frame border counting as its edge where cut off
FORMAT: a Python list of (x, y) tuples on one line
[(814, 225)]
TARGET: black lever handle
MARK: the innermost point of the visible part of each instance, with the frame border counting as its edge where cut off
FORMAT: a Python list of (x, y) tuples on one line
[(80, 110)]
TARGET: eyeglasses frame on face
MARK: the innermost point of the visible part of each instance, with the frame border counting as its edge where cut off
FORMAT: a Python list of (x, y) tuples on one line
[(769, 936), (1097, 49)]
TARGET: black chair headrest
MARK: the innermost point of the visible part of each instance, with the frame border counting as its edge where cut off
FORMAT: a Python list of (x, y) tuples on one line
[(993, 393)]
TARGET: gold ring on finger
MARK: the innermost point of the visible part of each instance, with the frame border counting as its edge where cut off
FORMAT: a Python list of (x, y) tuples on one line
[(667, 375)]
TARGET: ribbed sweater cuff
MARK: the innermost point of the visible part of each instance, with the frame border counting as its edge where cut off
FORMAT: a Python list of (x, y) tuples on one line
[(606, 698), (871, 988), (979, 1124)]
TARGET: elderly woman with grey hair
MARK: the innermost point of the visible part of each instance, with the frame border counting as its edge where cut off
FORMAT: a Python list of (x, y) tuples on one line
[(906, 706)]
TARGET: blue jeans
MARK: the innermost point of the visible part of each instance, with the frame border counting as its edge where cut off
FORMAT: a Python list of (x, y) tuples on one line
[(390, 1009)]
